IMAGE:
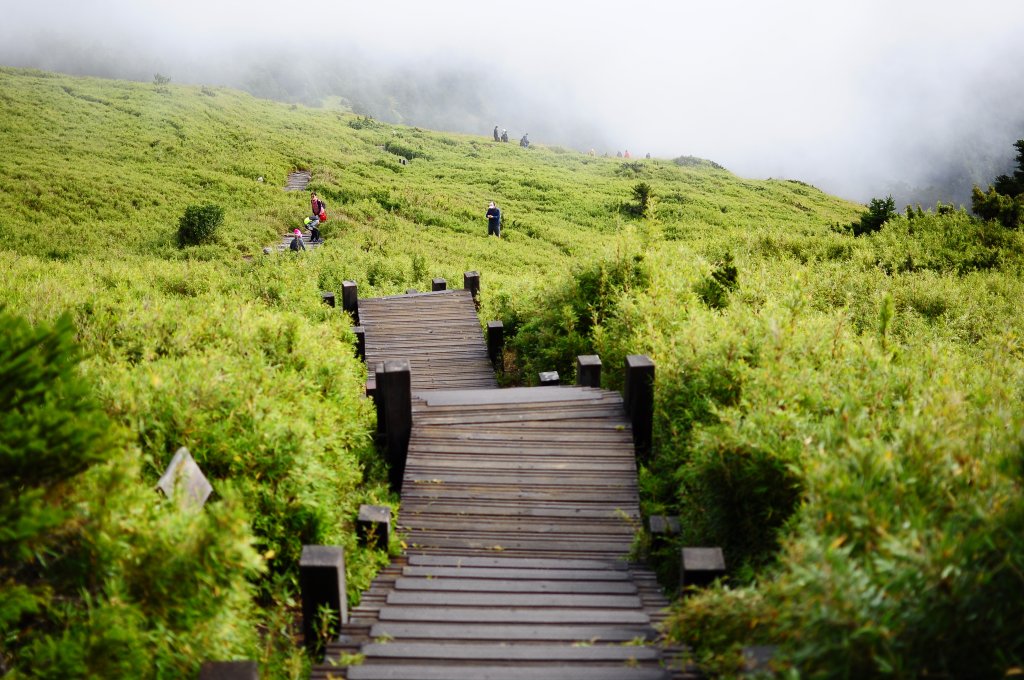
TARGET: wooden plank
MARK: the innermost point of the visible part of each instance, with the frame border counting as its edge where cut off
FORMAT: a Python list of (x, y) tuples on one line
[(512, 653), (491, 599), (516, 585), (612, 573), (512, 395), (456, 631), (477, 672), (513, 509), (511, 615), (486, 561)]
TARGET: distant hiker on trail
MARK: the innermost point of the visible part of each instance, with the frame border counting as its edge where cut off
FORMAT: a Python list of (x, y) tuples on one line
[(493, 220), (313, 224), (297, 243), (648, 156), (525, 142), (626, 155), (497, 137), (504, 135), (618, 154), (315, 205)]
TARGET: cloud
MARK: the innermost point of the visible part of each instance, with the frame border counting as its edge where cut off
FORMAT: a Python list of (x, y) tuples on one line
[(854, 96)]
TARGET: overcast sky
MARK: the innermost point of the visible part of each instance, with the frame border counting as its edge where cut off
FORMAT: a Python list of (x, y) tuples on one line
[(852, 95)]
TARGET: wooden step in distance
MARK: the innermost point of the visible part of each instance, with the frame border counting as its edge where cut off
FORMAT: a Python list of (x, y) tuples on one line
[(479, 672), (586, 633)]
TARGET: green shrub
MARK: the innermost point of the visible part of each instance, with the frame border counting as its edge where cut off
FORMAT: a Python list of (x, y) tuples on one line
[(880, 211), (99, 576), (572, 313), (642, 195), (1006, 210), (199, 224), (714, 290)]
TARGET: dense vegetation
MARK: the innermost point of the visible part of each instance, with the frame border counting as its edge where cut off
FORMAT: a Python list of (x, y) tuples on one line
[(843, 415)]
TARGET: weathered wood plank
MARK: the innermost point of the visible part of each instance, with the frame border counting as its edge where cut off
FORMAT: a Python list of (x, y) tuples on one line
[(486, 652), (511, 615), (516, 585), (476, 672), (522, 576), (455, 631), (491, 599)]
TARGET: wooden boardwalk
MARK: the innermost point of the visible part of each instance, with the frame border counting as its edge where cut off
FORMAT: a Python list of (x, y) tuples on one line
[(286, 242), (519, 507), (437, 332), (298, 180)]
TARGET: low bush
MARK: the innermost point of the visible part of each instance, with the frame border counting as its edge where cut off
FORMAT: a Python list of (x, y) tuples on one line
[(199, 224)]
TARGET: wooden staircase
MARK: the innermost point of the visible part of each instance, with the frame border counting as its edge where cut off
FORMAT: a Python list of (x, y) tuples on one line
[(519, 508)]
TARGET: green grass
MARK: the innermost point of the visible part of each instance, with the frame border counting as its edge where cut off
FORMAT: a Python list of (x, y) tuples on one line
[(845, 421)]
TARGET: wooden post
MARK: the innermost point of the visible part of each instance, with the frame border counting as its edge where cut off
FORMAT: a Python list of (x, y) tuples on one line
[(471, 282), (322, 582), (229, 670), (701, 566), (662, 528), (327, 297), (350, 299), (588, 370), (378, 403), (639, 401), (394, 396), (438, 284), (548, 378), (360, 334), (496, 343), (373, 526)]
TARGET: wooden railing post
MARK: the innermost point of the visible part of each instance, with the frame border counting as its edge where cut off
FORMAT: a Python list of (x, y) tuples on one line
[(662, 529), (700, 567), (373, 526), (495, 342), (322, 582), (471, 282), (438, 284), (588, 370), (328, 298), (360, 334), (394, 398), (639, 401), (350, 299)]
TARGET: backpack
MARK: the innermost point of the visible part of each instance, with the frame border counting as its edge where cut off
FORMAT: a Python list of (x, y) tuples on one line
[(295, 243)]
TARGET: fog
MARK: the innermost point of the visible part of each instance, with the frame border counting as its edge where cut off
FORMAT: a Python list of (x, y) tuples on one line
[(859, 97)]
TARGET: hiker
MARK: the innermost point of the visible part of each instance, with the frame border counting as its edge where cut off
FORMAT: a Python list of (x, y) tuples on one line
[(504, 135), (313, 224), (626, 155), (497, 137), (493, 220), (648, 156), (618, 154), (525, 142), (297, 243), (315, 205)]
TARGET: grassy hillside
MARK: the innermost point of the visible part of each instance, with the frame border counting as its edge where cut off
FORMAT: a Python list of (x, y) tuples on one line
[(842, 415)]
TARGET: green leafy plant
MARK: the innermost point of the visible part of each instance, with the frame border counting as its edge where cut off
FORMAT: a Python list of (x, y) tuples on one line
[(199, 224)]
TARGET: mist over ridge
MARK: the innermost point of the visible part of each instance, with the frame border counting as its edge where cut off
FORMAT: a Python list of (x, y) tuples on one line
[(919, 99)]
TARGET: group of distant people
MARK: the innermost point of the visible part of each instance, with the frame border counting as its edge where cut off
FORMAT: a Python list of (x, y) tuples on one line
[(318, 214), (524, 141)]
